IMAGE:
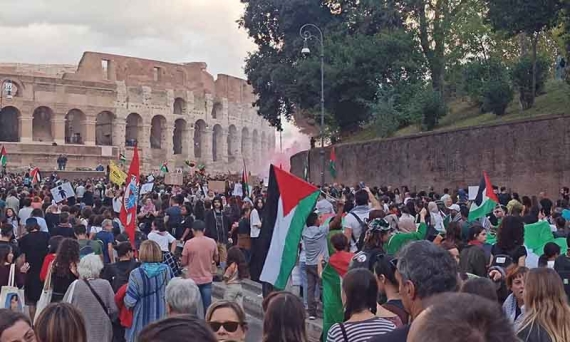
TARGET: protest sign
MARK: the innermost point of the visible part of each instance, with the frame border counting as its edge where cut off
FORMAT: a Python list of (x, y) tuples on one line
[(62, 192), (116, 175), (146, 188), (173, 178), (217, 186)]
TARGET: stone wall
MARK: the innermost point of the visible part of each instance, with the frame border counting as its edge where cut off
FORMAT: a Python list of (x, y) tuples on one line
[(527, 156)]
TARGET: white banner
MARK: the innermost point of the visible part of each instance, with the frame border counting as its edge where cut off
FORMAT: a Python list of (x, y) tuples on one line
[(62, 192), (146, 188)]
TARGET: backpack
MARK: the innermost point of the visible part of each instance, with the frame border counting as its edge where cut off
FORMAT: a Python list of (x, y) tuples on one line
[(502, 260), (360, 242), (364, 259), (86, 250)]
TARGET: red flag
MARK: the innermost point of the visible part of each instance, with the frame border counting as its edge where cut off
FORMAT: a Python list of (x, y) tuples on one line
[(131, 198), (36, 175)]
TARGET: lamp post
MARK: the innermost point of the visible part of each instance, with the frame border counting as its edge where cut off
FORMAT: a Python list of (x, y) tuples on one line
[(306, 34)]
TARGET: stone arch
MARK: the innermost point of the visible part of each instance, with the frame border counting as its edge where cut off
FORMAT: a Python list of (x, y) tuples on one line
[(245, 142), (232, 143), (41, 124), (134, 129), (179, 106), (199, 137), (217, 136), (10, 119), (75, 127), (104, 128), (157, 128), (179, 137), (217, 110)]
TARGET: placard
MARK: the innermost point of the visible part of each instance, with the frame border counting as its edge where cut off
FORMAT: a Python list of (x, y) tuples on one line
[(146, 188), (173, 178), (62, 192), (217, 186)]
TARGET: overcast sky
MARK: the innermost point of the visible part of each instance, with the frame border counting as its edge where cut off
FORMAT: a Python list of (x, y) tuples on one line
[(59, 31)]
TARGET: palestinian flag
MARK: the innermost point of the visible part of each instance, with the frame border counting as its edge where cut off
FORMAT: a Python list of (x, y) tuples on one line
[(3, 157), (485, 201), (332, 163), (244, 181), (333, 311), (164, 168), (122, 157), (36, 175), (290, 200)]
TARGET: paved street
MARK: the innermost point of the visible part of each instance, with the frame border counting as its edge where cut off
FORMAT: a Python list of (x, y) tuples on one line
[(255, 329)]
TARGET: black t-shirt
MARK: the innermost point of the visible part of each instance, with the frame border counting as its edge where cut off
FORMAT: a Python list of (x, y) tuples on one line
[(562, 264), (35, 246), (244, 226), (63, 231), (515, 254)]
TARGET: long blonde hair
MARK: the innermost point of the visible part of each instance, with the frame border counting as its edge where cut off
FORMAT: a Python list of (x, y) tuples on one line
[(546, 304)]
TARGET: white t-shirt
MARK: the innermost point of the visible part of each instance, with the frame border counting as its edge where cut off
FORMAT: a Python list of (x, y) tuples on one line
[(351, 222), (80, 191), (163, 239), (254, 220), (117, 202)]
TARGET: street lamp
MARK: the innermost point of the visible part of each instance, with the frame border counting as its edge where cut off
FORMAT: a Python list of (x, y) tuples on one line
[(306, 34)]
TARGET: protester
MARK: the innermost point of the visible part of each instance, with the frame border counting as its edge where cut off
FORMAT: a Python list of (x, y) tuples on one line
[(546, 312), (64, 228), (7, 238), (64, 269), (183, 298), (86, 245), (460, 317), (354, 222), (482, 287), (284, 319), (235, 272), (385, 272), (551, 253), (200, 254), (217, 228), (423, 271), (106, 237), (360, 292), (117, 274), (227, 320), (515, 282), (243, 233), (510, 243), (94, 298), (183, 328), (167, 244), (186, 224), (15, 327), (314, 237), (146, 288), (12, 219), (60, 322), (255, 230), (34, 247)]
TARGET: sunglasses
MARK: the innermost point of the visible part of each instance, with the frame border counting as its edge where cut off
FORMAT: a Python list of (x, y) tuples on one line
[(228, 326), (393, 262)]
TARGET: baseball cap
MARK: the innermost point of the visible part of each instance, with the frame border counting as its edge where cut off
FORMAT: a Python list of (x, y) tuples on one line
[(454, 207)]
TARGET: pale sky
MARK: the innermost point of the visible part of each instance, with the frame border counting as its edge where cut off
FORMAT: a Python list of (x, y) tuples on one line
[(59, 31)]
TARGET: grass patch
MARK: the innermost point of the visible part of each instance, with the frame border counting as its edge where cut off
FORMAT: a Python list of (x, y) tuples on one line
[(463, 114)]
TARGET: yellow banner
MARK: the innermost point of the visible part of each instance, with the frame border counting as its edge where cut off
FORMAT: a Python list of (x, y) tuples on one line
[(116, 175)]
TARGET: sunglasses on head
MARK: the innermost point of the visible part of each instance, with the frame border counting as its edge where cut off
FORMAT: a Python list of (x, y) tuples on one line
[(393, 262), (228, 326)]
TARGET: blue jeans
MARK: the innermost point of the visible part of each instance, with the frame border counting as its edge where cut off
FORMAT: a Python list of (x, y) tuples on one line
[(206, 294)]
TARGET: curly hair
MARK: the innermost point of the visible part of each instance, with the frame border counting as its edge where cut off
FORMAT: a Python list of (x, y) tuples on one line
[(511, 233), (66, 255), (235, 255)]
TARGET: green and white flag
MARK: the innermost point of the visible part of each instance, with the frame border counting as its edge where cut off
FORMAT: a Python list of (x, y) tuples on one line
[(485, 201), (290, 200), (3, 157)]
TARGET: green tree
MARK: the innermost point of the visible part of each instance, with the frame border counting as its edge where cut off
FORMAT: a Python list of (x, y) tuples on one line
[(530, 17), (365, 46)]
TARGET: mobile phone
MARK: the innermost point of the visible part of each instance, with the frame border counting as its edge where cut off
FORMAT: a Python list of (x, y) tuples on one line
[(361, 185)]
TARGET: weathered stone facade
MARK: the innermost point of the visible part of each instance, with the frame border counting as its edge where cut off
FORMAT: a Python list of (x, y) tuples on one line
[(173, 112), (527, 156)]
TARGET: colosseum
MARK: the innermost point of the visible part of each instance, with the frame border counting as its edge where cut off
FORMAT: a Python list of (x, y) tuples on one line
[(108, 103)]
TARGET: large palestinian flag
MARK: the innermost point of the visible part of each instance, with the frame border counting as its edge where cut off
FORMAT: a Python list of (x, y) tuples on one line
[(485, 201), (290, 200)]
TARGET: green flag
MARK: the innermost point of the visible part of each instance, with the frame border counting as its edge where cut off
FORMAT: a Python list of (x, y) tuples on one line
[(3, 157)]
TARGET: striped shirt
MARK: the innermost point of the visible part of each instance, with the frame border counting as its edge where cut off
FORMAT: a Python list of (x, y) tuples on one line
[(360, 331)]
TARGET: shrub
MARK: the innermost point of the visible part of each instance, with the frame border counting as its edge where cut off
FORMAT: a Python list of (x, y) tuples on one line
[(497, 94), (522, 78)]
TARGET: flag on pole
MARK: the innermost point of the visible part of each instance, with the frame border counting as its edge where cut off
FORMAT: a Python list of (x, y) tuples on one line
[(164, 167), (131, 197), (485, 201), (3, 157), (332, 163), (122, 157), (36, 175), (290, 200), (244, 181)]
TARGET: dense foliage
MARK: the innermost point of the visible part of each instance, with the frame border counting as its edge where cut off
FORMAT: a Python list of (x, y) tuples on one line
[(391, 63)]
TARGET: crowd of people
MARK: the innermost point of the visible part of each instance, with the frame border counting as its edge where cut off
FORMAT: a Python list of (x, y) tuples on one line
[(413, 266)]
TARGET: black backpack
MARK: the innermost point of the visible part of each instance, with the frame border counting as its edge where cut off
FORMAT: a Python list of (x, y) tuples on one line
[(364, 226)]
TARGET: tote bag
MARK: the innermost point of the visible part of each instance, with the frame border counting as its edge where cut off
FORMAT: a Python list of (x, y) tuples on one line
[(45, 298), (10, 296)]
